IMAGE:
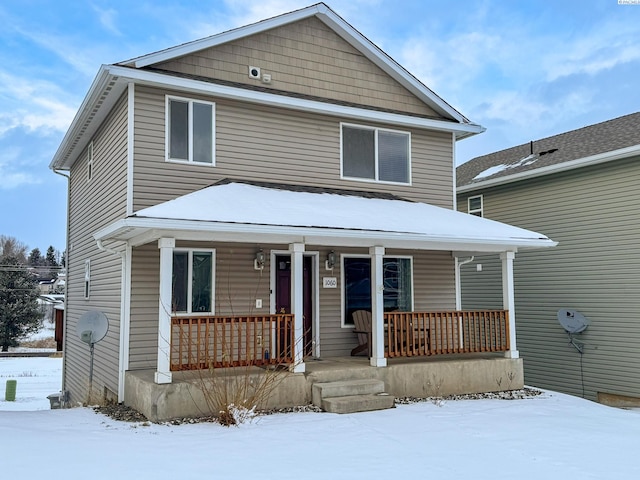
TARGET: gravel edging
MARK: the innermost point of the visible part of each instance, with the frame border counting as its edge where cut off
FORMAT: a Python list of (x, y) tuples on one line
[(122, 413)]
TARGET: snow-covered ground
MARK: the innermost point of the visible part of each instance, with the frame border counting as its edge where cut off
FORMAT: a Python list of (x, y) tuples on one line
[(552, 436)]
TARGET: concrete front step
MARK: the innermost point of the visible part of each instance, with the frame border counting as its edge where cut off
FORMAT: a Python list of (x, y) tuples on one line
[(344, 388), (358, 403), (350, 396)]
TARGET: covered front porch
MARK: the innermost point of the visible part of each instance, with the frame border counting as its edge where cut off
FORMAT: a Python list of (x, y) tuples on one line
[(408, 255)]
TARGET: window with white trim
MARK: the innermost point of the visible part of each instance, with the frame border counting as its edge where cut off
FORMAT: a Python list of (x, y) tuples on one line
[(474, 205), (397, 274), (193, 281), (375, 154), (90, 160), (190, 131), (87, 278)]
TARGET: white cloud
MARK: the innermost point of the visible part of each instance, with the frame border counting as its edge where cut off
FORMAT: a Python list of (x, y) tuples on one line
[(107, 18), (33, 105)]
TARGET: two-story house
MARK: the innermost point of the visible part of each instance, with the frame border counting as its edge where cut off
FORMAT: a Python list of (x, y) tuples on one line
[(234, 200)]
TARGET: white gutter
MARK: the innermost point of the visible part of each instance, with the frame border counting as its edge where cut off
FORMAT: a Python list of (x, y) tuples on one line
[(550, 169), (128, 228), (112, 80), (275, 100)]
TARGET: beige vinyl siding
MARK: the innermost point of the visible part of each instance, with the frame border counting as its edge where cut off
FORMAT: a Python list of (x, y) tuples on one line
[(238, 285), (306, 58), (482, 290), (93, 205), (594, 214), (276, 145), (143, 320)]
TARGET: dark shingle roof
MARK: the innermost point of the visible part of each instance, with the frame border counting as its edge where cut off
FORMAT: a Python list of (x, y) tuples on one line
[(310, 189), (584, 142)]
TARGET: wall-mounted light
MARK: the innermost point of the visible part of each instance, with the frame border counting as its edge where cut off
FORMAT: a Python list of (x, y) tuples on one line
[(331, 260), (258, 262)]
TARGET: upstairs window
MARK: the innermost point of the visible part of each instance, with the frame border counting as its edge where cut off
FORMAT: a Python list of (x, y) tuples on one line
[(474, 205), (90, 161), (190, 131), (376, 154), (192, 285)]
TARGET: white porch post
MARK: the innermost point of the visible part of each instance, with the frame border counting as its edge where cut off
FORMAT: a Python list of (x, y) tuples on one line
[(377, 308), (508, 301), (297, 251), (163, 372)]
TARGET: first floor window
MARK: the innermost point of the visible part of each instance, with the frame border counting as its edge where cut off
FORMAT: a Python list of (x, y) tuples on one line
[(190, 131), (375, 154), (192, 282), (397, 279), (87, 278)]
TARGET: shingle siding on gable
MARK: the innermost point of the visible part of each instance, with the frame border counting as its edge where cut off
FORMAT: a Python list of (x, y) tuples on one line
[(305, 57), (274, 145), (594, 214)]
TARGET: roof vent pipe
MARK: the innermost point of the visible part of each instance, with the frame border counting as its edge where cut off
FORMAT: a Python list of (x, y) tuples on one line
[(531, 147)]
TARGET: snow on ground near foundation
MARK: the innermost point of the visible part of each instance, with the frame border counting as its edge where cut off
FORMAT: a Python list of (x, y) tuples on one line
[(552, 436)]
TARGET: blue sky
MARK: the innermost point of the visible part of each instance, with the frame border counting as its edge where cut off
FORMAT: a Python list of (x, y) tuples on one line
[(522, 69)]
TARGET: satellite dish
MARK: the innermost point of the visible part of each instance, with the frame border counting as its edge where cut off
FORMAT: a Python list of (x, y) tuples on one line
[(572, 321), (92, 327)]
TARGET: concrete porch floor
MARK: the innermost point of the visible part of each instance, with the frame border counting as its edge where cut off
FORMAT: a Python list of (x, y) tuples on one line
[(416, 377)]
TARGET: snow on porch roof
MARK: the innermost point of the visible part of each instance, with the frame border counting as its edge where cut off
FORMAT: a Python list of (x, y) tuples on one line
[(239, 211)]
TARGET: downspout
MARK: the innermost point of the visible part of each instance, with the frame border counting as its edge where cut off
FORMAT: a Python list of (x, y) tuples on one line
[(65, 397), (123, 350), (458, 284)]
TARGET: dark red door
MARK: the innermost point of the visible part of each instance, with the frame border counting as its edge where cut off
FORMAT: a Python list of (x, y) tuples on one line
[(283, 294)]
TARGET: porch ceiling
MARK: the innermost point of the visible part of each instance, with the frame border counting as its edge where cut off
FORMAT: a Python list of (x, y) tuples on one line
[(244, 212)]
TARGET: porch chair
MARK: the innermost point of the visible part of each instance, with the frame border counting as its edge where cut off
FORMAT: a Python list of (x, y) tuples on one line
[(362, 321)]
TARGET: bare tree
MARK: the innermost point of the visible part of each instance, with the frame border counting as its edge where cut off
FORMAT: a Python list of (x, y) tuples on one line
[(12, 247)]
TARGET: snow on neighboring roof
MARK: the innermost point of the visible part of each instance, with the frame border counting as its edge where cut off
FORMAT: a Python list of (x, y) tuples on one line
[(611, 140), (528, 160), (240, 203)]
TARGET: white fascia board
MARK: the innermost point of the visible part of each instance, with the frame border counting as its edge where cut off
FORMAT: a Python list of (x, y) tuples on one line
[(138, 231), (605, 157), (283, 101)]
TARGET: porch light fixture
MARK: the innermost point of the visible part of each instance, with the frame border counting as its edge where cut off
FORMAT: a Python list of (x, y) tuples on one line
[(331, 260), (258, 262)]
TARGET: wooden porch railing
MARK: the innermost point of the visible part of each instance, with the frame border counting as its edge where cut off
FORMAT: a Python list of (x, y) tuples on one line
[(410, 334), (231, 341)]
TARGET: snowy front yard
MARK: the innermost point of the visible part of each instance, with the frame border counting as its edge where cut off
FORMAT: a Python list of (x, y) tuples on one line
[(544, 437)]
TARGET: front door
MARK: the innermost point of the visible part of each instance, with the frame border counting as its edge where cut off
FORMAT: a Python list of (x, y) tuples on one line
[(283, 294)]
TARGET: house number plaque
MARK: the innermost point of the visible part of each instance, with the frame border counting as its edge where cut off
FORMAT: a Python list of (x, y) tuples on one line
[(329, 282)]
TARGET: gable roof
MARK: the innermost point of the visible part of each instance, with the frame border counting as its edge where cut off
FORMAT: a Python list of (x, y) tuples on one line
[(610, 140), (112, 80), (268, 213)]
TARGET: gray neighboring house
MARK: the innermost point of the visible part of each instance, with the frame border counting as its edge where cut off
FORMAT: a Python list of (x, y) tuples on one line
[(581, 188)]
